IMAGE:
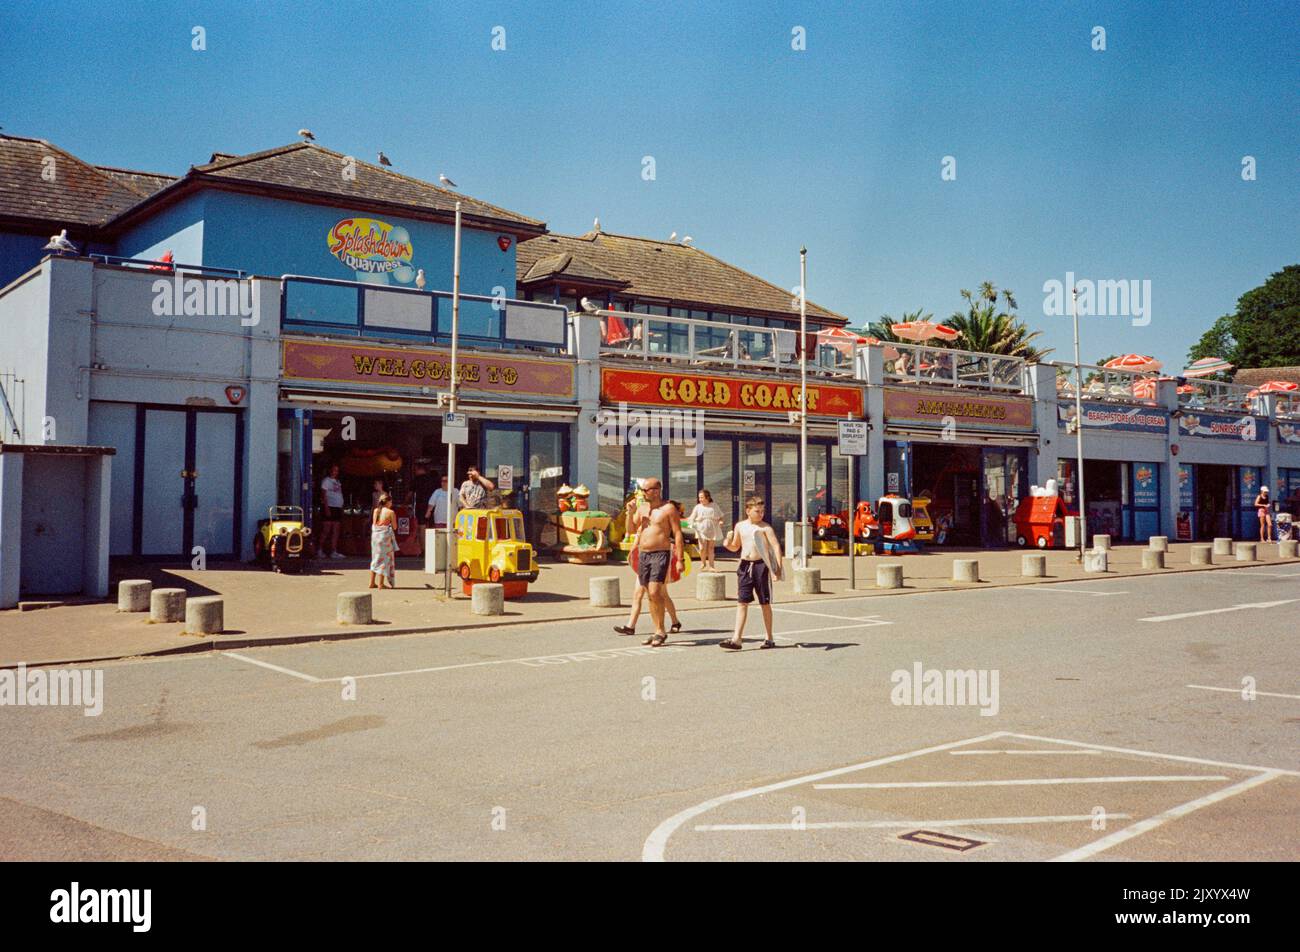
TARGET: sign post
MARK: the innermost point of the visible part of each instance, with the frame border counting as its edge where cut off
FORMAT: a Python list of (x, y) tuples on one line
[(853, 443)]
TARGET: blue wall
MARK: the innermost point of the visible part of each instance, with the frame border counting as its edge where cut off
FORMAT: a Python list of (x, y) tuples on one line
[(20, 253), (177, 228)]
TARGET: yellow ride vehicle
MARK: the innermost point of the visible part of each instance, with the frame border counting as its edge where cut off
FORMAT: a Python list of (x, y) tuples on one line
[(921, 520), (283, 540), (490, 547)]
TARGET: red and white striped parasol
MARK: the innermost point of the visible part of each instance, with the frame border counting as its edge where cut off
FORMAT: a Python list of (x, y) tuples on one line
[(1137, 362), (921, 331), (1206, 366), (1277, 386)]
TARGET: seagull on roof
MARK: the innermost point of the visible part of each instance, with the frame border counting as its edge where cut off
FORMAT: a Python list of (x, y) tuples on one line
[(673, 236), (687, 240), (306, 135), (419, 279), (446, 181), (383, 160), (588, 306), (61, 243)]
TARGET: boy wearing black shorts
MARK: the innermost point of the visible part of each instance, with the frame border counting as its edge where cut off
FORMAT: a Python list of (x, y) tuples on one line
[(760, 563)]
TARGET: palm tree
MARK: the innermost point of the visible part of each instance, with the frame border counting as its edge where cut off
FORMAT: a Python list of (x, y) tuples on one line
[(986, 329), (882, 328)]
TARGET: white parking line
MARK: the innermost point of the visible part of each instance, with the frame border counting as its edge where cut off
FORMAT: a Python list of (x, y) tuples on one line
[(272, 667), (1063, 591), (1203, 687), (1147, 753), (1219, 611), (905, 824), (1145, 826), (1054, 753), (1045, 781)]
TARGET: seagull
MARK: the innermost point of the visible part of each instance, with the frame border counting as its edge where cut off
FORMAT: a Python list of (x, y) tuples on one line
[(595, 224), (446, 181), (588, 306), (419, 279), (61, 243), (673, 236), (306, 134), (383, 160), (687, 240)]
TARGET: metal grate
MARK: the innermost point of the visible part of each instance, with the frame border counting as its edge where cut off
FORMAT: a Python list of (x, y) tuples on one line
[(958, 844)]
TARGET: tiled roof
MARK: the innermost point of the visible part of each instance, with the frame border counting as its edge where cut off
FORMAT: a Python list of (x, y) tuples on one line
[(567, 265), (1258, 375), (307, 167), (80, 195), (144, 183), (665, 271)]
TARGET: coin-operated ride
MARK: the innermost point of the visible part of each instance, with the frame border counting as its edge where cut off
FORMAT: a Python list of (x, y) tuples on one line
[(283, 540), (583, 533), (1040, 518), (490, 547), (921, 519), (621, 536), (889, 528), (830, 533)]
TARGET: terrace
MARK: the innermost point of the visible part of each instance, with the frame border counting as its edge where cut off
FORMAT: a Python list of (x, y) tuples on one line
[(1107, 384), (949, 367)]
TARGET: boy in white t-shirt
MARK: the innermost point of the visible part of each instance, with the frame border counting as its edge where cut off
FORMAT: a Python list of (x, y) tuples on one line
[(760, 562)]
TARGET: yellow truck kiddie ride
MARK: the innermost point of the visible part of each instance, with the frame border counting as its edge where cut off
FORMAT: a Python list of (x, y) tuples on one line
[(490, 547), (283, 540)]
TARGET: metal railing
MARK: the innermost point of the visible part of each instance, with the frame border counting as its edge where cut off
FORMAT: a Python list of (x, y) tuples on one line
[(1216, 395), (948, 367), (167, 267), (331, 306), (692, 341), (1108, 385)]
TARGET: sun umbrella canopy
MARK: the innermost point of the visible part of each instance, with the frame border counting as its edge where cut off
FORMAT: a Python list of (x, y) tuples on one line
[(1278, 386), (842, 340), (1207, 366), (923, 331), (1138, 362), (1144, 389)]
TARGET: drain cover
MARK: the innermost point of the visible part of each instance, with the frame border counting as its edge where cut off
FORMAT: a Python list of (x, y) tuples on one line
[(958, 844)]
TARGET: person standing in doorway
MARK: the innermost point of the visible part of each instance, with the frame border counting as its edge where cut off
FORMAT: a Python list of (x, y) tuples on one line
[(706, 520), (1263, 506), (331, 513), (760, 563), (658, 528), (437, 506), (474, 490), (383, 543)]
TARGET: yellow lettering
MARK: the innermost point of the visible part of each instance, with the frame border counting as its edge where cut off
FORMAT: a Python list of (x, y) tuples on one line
[(666, 389)]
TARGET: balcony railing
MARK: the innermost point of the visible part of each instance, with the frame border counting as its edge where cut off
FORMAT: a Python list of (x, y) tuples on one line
[(690, 341), (947, 367), (1222, 397), (355, 308), (1107, 384), (167, 267)]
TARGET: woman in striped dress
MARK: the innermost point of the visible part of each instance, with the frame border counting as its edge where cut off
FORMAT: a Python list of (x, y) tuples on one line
[(383, 544)]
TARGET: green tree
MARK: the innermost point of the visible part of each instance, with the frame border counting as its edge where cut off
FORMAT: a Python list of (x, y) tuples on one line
[(1264, 330), (985, 328), (882, 329)]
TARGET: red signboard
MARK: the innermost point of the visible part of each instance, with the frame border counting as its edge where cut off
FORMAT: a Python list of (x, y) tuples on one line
[(709, 392), (938, 408), (425, 367)]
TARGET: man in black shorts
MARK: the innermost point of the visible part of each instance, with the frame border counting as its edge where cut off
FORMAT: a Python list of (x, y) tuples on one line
[(760, 562), (659, 544)]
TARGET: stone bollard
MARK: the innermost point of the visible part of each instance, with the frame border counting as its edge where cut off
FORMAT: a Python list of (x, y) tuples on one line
[(1246, 551), (1222, 546), (167, 605), (711, 587), (133, 594), (1033, 565), (355, 608), (1101, 542), (889, 575), (205, 616), (807, 581), (1153, 559), (965, 570), (1096, 560), (488, 598), (603, 591), (1202, 555), (1288, 549), (1159, 543)]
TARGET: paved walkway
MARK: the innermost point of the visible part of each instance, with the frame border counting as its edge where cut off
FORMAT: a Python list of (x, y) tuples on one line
[(262, 607)]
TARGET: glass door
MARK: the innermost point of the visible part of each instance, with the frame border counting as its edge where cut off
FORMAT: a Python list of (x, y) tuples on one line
[(754, 476), (783, 504), (539, 457)]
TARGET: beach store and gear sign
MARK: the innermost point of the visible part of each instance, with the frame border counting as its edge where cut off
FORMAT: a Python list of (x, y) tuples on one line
[(1217, 426), (741, 394), (922, 408), (1110, 417), (423, 367)]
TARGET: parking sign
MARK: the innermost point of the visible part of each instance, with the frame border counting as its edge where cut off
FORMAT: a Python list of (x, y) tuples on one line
[(853, 437)]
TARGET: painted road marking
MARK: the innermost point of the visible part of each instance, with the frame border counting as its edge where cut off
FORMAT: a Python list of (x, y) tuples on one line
[(1160, 819), (1065, 591), (904, 824), (796, 611), (1147, 753), (1054, 753), (1203, 687), (1219, 611), (1045, 781), (272, 667)]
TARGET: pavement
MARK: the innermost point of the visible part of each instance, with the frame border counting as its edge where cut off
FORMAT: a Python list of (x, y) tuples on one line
[(262, 607), (1125, 717)]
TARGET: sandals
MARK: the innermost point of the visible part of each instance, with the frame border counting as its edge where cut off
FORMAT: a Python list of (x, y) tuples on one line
[(676, 627), (624, 630), (729, 645), (768, 644), (656, 641)]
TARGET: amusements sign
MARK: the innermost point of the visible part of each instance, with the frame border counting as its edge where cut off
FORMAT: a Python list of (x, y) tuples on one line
[(928, 408), (424, 367), (747, 394), (1111, 417), (1217, 426)]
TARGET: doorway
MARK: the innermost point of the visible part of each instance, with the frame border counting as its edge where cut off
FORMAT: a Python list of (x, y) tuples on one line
[(1214, 501), (538, 455)]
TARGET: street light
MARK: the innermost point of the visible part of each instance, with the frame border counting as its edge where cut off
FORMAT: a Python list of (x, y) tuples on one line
[(1078, 421), (452, 495), (803, 407)]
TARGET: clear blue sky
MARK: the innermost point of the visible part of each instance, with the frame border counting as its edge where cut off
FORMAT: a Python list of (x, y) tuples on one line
[(1123, 164)]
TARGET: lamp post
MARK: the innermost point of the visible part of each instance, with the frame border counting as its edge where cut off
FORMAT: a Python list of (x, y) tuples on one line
[(453, 496), (1078, 422), (803, 407)]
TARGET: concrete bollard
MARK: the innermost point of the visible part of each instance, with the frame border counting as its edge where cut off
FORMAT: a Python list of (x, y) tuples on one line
[(1101, 542), (488, 598), (1159, 543), (1033, 565), (167, 605), (355, 608), (1096, 560), (889, 575), (1222, 546), (711, 587), (205, 616), (807, 581), (965, 570), (603, 592), (1153, 559), (1288, 549), (1202, 555), (1246, 551), (133, 594)]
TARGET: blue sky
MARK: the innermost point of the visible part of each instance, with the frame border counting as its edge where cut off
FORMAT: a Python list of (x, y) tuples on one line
[(1122, 164)]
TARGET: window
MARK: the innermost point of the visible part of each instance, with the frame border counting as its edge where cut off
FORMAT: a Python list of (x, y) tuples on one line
[(611, 484)]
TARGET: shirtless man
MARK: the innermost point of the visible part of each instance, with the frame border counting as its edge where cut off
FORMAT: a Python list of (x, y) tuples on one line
[(659, 544)]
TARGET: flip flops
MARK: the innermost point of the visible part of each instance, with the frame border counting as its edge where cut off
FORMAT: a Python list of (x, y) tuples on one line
[(624, 630), (729, 645)]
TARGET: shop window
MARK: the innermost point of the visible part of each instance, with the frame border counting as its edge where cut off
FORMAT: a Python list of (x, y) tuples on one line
[(719, 479), (647, 462), (839, 495), (683, 476), (818, 487), (783, 507), (611, 484)]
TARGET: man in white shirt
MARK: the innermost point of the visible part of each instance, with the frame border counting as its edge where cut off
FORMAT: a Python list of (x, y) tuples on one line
[(331, 498), (437, 508)]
